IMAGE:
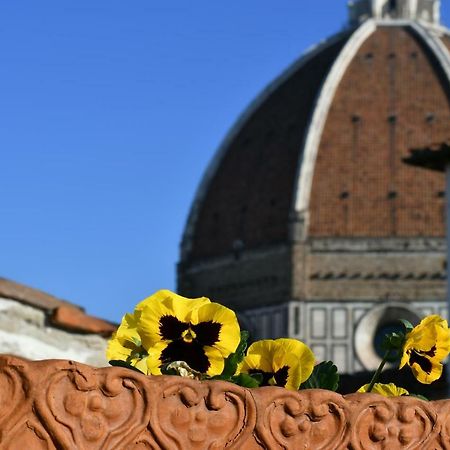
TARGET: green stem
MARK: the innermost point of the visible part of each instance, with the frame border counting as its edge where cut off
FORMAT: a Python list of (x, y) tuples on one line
[(377, 374)]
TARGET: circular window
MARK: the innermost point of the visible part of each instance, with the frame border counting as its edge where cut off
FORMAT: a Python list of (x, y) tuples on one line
[(372, 328), (381, 332)]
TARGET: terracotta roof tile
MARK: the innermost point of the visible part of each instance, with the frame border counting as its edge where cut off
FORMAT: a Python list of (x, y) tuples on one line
[(61, 313), (72, 318), (30, 296)]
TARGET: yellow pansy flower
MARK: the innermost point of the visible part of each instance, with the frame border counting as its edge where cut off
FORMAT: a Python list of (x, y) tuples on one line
[(196, 331), (281, 362), (388, 390), (126, 345), (425, 347)]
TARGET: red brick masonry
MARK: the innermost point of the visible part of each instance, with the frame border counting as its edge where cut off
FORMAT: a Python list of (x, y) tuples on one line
[(392, 98), (66, 405)]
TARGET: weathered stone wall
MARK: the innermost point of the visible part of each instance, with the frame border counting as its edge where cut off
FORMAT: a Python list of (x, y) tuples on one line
[(24, 331)]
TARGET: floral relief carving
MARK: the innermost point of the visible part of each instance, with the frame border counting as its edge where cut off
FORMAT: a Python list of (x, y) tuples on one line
[(13, 395), (64, 405), (213, 415), (145, 441), (85, 408), (443, 415), (17, 423), (314, 419), (380, 423), (30, 434)]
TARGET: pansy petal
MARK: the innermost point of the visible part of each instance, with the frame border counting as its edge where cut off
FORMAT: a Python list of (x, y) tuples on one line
[(124, 340), (295, 377), (129, 328), (404, 360), (260, 355), (141, 364), (116, 351), (165, 296), (297, 371), (216, 361), (294, 352), (162, 314), (153, 360), (222, 332), (424, 377), (387, 390), (426, 346), (284, 362), (255, 362), (264, 347), (442, 342), (291, 365), (151, 322), (433, 319), (425, 335)]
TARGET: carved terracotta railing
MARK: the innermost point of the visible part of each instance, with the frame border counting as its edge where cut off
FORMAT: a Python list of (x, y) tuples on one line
[(65, 405)]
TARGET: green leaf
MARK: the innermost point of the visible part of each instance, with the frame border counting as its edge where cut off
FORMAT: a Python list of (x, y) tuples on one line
[(408, 326), (246, 380), (119, 363), (324, 376), (233, 360), (393, 342), (420, 397)]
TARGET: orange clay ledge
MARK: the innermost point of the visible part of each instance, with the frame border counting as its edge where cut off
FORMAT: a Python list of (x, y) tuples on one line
[(66, 405)]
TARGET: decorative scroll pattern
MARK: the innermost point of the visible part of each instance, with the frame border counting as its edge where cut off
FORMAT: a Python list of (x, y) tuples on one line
[(293, 421), (65, 405)]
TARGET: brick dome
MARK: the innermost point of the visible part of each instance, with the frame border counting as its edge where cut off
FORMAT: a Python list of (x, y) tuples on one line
[(307, 222), (324, 144)]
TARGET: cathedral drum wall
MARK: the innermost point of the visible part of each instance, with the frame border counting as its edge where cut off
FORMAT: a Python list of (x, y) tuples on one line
[(246, 280), (378, 273), (349, 332)]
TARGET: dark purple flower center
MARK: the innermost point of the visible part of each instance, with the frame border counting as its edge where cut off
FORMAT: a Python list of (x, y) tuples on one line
[(188, 341), (421, 358), (280, 376), (191, 353)]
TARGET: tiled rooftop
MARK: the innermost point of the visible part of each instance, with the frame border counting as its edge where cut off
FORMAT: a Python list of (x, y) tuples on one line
[(61, 314)]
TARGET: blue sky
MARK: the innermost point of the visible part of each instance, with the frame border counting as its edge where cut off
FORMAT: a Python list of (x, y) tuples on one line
[(110, 111)]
